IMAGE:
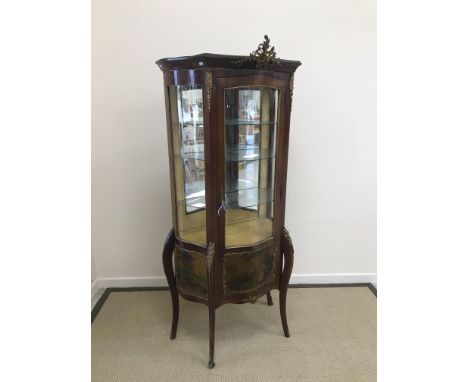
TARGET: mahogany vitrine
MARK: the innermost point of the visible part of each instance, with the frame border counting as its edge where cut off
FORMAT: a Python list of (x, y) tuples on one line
[(228, 133)]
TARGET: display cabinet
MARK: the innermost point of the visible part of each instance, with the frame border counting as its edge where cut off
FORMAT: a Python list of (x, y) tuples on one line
[(228, 133)]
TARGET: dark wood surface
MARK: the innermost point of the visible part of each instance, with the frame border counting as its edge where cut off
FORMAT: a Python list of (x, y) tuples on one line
[(269, 299), (288, 252), (211, 306), (210, 61), (169, 272)]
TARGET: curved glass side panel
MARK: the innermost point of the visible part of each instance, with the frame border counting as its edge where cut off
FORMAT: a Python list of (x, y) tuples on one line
[(250, 129), (186, 104)]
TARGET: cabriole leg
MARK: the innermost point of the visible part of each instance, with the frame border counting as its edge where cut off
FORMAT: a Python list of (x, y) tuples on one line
[(211, 307), (169, 271), (269, 299), (212, 336), (288, 253)]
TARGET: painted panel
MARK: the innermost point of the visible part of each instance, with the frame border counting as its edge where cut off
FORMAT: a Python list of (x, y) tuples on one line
[(191, 272), (247, 271)]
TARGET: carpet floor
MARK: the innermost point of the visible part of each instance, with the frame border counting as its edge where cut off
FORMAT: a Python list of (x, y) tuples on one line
[(333, 338)]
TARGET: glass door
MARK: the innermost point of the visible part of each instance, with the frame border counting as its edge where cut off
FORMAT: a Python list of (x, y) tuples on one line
[(187, 130), (250, 130)]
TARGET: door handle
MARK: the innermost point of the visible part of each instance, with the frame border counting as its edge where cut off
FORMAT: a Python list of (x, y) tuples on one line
[(221, 207)]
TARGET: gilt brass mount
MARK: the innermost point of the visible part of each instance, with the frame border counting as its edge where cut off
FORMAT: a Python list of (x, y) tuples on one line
[(263, 56)]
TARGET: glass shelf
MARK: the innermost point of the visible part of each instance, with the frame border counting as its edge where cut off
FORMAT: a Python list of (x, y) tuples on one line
[(191, 122), (199, 155), (246, 122), (248, 198), (244, 175), (232, 122), (238, 153), (194, 202), (235, 153)]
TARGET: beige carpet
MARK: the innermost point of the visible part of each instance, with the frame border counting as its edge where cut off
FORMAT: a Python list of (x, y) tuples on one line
[(333, 338)]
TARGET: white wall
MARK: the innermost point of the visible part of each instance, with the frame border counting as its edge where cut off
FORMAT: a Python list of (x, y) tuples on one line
[(331, 198)]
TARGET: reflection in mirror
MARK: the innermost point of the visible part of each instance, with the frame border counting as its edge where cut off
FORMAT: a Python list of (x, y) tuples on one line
[(189, 104)]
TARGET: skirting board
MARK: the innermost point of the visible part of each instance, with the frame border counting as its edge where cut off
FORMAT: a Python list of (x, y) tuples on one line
[(160, 281)]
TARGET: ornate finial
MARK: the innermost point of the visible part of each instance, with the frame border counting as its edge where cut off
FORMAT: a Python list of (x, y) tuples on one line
[(263, 56)]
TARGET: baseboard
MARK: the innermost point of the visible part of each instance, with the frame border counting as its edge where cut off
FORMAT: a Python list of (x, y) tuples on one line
[(94, 289), (333, 278), (160, 281), (132, 282)]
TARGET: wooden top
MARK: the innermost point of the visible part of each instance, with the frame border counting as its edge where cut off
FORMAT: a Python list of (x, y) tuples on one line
[(263, 58), (222, 61)]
